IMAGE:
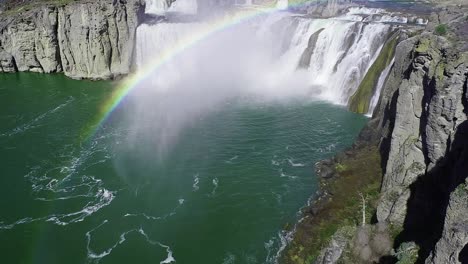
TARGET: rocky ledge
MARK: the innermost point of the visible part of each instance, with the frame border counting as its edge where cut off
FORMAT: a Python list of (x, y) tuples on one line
[(419, 131), (84, 39)]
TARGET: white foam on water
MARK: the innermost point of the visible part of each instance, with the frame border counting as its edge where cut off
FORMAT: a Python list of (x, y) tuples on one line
[(103, 198), (283, 175), (196, 181), (275, 163), (26, 220), (181, 202), (35, 122), (231, 160), (278, 244), (215, 186), (96, 257), (269, 248), (229, 259), (293, 164), (170, 258)]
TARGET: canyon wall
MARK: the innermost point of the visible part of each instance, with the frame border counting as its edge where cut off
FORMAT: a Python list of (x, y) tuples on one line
[(422, 121), (86, 39)]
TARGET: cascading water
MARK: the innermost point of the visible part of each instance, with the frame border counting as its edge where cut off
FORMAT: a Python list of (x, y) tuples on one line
[(380, 84), (343, 52), (282, 4), (185, 7), (156, 7), (160, 7)]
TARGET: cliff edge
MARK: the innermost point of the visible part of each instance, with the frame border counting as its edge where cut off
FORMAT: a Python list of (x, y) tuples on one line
[(83, 39)]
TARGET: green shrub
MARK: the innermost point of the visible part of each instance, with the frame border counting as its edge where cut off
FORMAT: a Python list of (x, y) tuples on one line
[(340, 168), (441, 30), (407, 253)]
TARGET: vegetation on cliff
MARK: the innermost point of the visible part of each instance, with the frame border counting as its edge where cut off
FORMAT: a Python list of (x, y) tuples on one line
[(360, 101), (356, 173)]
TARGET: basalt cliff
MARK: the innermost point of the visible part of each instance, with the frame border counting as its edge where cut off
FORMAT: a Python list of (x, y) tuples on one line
[(84, 39), (412, 157)]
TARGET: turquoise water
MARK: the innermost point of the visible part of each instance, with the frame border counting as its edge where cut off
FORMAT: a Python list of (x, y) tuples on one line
[(224, 192)]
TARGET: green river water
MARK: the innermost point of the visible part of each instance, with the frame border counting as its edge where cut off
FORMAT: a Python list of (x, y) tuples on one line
[(223, 194)]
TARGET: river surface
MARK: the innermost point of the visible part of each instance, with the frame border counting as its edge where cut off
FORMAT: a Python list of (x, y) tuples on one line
[(222, 193)]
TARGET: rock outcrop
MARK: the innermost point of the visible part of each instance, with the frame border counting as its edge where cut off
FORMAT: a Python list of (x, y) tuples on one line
[(422, 126), (84, 39), (422, 119)]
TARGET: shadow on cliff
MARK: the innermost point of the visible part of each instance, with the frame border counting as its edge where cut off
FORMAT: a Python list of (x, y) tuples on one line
[(430, 196)]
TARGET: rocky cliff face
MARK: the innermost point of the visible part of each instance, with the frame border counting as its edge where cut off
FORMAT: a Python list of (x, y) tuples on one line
[(85, 39), (421, 125), (423, 122)]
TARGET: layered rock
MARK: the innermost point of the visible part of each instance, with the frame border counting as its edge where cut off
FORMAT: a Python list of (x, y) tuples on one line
[(452, 246), (427, 108), (422, 118), (85, 39)]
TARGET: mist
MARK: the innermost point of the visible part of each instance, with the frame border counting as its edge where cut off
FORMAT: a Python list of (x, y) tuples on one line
[(255, 60), (251, 61)]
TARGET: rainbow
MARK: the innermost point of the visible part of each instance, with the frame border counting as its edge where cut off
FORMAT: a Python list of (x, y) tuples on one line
[(133, 80)]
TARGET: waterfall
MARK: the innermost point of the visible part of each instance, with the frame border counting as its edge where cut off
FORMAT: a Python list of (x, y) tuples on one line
[(380, 85), (343, 54), (276, 56), (339, 59), (282, 4), (156, 7), (184, 6), (160, 7)]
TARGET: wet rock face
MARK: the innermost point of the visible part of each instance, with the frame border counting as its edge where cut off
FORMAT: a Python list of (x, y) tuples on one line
[(87, 39)]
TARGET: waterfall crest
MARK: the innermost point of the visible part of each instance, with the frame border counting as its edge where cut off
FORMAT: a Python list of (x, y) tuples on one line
[(278, 56), (282, 4), (156, 7), (340, 55), (161, 7)]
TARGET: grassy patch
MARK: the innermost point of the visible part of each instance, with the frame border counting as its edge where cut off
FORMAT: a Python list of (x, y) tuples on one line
[(461, 190), (360, 101), (340, 168), (441, 30), (359, 172), (423, 45)]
